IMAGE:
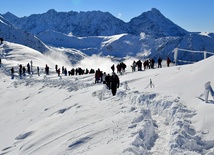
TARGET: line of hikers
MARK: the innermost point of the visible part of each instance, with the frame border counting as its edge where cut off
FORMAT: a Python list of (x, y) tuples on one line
[(22, 70), (73, 71), (112, 82), (148, 64)]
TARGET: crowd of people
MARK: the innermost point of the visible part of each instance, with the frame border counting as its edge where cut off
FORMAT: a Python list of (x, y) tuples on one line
[(22, 70), (112, 81), (148, 64)]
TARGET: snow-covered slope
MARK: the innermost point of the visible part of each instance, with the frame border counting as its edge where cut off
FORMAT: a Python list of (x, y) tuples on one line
[(72, 115), (15, 54), (10, 33)]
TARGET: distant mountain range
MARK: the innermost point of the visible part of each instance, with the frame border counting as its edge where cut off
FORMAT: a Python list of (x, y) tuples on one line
[(95, 32), (96, 23)]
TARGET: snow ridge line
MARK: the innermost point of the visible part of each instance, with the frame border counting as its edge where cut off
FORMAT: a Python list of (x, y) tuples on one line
[(183, 139)]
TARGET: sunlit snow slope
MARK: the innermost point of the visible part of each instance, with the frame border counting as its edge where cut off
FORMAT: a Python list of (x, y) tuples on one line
[(48, 115)]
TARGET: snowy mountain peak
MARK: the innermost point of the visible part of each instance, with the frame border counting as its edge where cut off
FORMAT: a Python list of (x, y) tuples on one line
[(154, 11), (9, 14), (156, 24), (51, 11)]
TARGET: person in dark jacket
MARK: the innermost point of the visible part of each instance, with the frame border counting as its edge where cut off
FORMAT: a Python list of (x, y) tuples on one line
[(12, 73), (112, 68), (114, 83), (159, 62), (168, 61), (107, 79), (1, 40)]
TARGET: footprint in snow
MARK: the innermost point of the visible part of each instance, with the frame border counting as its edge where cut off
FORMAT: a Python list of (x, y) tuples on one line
[(61, 111), (24, 135), (79, 142)]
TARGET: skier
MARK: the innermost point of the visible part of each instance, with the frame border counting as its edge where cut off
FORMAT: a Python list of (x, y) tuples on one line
[(114, 83)]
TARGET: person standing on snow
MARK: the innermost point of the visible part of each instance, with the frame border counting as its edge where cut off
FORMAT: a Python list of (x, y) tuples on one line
[(168, 61), (114, 83), (159, 62), (1, 40), (47, 69), (112, 68), (108, 80), (133, 66), (28, 68), (58, 71), (38, 70), (56, 68), (12, 73), (104, 78), (31, 67), (20, 71)]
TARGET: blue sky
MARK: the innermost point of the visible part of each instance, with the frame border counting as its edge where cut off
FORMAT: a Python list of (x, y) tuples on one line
[(192, 15)]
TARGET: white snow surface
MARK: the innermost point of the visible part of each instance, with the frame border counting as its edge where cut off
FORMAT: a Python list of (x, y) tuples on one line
[(48, 115)]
